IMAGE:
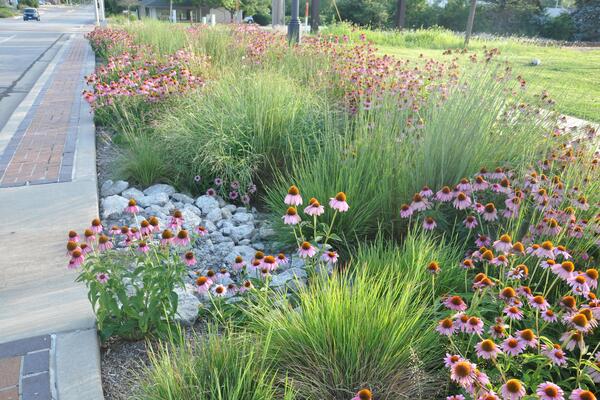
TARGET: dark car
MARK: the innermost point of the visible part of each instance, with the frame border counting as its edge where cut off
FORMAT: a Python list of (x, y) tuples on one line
[(30, 13)]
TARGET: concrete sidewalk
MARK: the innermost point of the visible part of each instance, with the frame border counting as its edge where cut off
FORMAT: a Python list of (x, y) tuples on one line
[(48, 343)]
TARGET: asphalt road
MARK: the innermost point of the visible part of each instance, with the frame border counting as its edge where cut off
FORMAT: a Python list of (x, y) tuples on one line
[(27, 48)]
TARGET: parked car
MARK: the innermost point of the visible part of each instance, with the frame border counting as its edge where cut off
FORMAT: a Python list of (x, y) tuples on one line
[(31, 13)]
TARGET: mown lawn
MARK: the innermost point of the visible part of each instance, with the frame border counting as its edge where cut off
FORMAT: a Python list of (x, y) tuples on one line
[(571, 75)]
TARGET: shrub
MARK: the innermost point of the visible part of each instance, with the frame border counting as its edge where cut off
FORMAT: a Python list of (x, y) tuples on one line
[(215, 366), (558, 28), (362, 329), (585, 19), (6, 12)]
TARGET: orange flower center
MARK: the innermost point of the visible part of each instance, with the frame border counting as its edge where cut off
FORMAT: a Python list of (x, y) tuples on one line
[(463, 369), (513, 386)]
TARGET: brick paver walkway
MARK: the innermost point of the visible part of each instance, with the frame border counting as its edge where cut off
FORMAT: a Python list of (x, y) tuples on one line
[(25, 369), (43, 148)]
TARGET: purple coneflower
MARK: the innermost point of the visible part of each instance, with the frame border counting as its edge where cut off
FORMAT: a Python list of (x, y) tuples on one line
[(77, 259), (238, 263), (314, 208), (580, 394), (143, 247), (293, 197), (426, 192), (446, 327), (504, 244), (527, 337), (96, 226), (306, 250), (539, 303), (104, 243), (444, 194), (166, 237), (512, 346), (513, 389), (549, 391), (489, 212), (330, 257), (482, 241), (474, 326), (132, 207), (339, 202), (455, 303), (102, 277), (564, 270), (282, 259), (211, 192), (182, 239), (233, 195), (470, 222), (462, 201), (406, 211), (291, 216), (487, 349), (463, 373), (189, 259), (201, 230), (203, 284), (429, 224)]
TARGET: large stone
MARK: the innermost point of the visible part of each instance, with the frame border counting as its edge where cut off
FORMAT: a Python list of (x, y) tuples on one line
[(190, 219), (207, 203), (243, 217), (110, 188), (159, 188), (210, 227), (159, 199), (246, 252), (214, 215), (192, 208), (187, 306), (132, 193), (242, 232), (183, 198), (113, 206), (217, 237), (226, 213), (231, 208), (225, 227), (266, 232), (292, 278)]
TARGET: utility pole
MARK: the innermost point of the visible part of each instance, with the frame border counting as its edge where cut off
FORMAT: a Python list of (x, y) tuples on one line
[(96, 11), (470, 22), (400, 14), (314, 16), (306, 14), (294, 26)]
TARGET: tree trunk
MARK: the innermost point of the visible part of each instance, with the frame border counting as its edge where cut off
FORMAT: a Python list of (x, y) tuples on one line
[(470, 22), (401, 14), (314, 16)]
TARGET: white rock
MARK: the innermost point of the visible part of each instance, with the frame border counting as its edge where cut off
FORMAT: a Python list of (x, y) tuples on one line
[(221, 202), (157, 211), (132, 193), (226, 213), (214, 215), (207, 203), (159, 199), (190, 219), (187, 305), (110, 188), (288, 277), (183, 198), (243, 218), (113, 206), (159, 188), (231, 208), (192, 208), (242, 232), (209, 226)]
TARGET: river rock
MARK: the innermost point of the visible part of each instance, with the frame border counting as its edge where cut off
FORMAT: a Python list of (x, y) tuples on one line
[(110, 188), (132, 193), (206, 203), (187, 305), (182, 198), (113, 206), (159, 199), (159, 188)]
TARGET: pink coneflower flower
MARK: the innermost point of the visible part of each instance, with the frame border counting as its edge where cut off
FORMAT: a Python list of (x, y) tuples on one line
[(562, 251), (482, 241), (462, 201), (461, 320), (330, 257), (508, 294), (145, 228), (86, 249), (464, 185), (470, 222), (405, 211), (203, 284), (503, 261), (306, 250), (581, 203), (115, 230), (245, 199), (211, 276), (104, 243), (282, 259), (222, 275), (513, 203), (489, 212), (363, 394), (451, 359), (455, 303), (134, 233), (426, 192), (339, 202), (182, 239), (433, 268), (314, 208), (463, 373), (73, 237), (549, 391), (176, 220), (89, 236), (264, 272), (487, 349), (102, 277), (211, 192), (555, 354), (539, 303), (580, 394), (581, 322), (446, 327), (132, 207), (474, 326), (564, 270), (456, 397), (429, 224), (247, 285), (504, 244), (545, 250), (527, 337), (572, 339), (77, 259), (166, 237), (202, 231), (143, 247), (444, 195), (498, 331), (238, 263), (233, 195), (189, 259), (512, 346), (293, 197), (549, 316), (480, 183), (513, 312), (270, 263), (96, 226), (291, 216), (591, 275), (513, 389), (579, 284), (218, 181)]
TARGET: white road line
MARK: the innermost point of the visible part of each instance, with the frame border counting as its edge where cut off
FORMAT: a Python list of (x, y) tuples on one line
[(7, 39)]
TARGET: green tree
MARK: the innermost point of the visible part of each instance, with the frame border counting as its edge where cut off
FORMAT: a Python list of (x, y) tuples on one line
[(249, 7)]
